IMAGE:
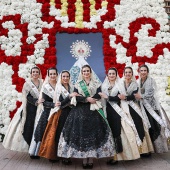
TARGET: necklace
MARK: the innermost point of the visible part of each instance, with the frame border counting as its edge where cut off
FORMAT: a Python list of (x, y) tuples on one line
[(66, 87), (127, 84), (52, 85), (142, 82), (36, 83)]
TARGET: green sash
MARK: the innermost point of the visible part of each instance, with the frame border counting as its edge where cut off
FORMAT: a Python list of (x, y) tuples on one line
[(87, 94)]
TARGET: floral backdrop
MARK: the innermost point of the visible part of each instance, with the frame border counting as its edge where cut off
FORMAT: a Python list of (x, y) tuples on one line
[(134, 32)]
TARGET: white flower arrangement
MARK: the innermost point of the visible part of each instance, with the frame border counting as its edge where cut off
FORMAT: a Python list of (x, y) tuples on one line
[(126, 12), (8, 96)]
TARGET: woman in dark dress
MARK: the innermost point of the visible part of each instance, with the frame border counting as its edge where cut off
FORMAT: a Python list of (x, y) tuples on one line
[(62, 98), (47, 94), (19, 134), (86, 133)]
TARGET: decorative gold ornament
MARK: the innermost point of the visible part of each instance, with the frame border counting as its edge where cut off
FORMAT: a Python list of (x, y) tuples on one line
[(79, 22), (140, 149), (168, 88), (168, 140)]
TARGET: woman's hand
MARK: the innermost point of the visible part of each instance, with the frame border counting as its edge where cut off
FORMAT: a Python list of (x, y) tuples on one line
[(91, 100), (57, 104), (138, 96), (122, 96), (103, 95), (40, 101), (74, 94)]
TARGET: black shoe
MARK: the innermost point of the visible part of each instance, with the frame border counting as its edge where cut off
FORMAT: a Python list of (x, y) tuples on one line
[(112, 162), (146, 155), (66, 161), (34, 157), (90, 165), (85, 166), (53, 161)]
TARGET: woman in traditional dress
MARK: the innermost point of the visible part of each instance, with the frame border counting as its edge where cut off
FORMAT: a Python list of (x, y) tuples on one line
[(124, 132), (86, 133), (159, 122), (62, 98), (19, 134), (47, 94), (139, 118)]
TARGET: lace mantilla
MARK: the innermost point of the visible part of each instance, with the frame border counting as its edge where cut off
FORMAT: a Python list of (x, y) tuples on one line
[(48, 90), (34, 91), (107, 150), (148, 92), (92, 87)]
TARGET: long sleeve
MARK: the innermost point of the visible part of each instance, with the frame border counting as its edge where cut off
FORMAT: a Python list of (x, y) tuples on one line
[(64, 102), (48, 103), (131, 97), (97, 96), (114, 98), (80, 98), (31, 100)]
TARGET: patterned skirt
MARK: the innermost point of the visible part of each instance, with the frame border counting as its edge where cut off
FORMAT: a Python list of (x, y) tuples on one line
[(85, 134)]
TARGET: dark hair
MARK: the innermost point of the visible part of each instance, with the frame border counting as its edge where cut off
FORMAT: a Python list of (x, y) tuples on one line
[(87, 66), (52, 68), (144, 65), (112, 68), (128, 68), (35, 68), (65, 71)]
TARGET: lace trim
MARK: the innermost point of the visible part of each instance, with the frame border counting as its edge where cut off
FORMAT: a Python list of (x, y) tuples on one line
[(64, 92), (48, 90), (114, 91), (148, 92), (66, 151), (92, 87), (133, 86), (33, 90)]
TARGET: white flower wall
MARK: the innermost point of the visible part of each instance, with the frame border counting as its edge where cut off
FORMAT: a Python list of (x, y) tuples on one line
[(134, 32)]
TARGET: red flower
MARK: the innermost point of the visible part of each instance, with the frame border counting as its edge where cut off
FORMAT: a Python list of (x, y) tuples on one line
[(51, 52)]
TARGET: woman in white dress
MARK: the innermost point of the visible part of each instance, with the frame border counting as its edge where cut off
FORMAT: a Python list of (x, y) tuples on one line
[(19, 134)]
